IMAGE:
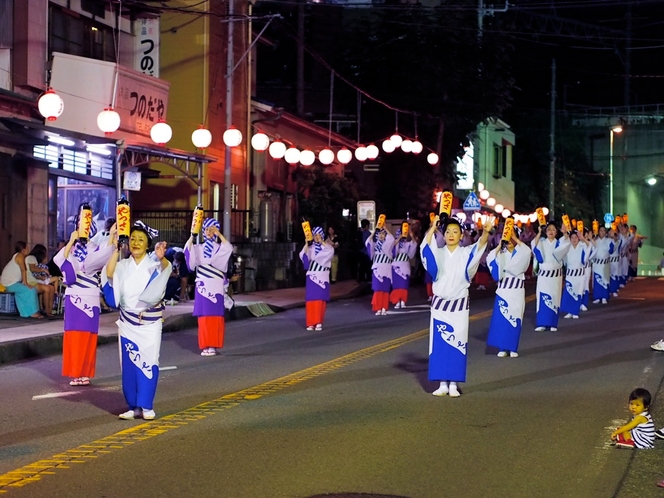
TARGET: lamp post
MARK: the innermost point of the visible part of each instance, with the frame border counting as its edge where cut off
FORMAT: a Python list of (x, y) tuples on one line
[(614, 130)]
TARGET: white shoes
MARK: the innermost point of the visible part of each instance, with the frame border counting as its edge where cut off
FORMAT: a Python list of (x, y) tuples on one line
[(209, 352), (596, 301), (540, 329), (502, 354), (397, 306), (402, 304), (514, 354), (604, 301), (481, 287), (383, 311), (319, 326), (443, 390), (131, 414), (615, 294), (658, 346), (568, 315), (575, 317), (311, 327), (454, 392), (554, 329), (379, 312), (583, 308), (149, 414)]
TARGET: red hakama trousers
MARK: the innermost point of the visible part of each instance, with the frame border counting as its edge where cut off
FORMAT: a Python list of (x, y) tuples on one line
[(315, 312), (79, 354), (398, 295), (211, 332), (380, 300)]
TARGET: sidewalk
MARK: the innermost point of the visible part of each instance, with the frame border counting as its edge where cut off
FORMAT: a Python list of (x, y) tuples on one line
[(22, 338)]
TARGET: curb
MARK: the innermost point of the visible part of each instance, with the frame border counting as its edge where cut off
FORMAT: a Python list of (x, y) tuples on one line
[(40, 347)]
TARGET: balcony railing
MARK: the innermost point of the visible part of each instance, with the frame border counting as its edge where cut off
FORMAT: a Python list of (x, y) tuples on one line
[(174, 225)]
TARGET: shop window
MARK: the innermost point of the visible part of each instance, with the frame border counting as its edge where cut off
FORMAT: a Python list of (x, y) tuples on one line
[(499, 161), (78, 35)]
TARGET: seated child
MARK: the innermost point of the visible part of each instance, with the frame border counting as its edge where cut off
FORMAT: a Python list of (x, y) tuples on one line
[(640, 431)]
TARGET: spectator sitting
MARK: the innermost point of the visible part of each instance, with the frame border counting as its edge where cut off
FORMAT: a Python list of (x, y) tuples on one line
[(14, 278), (38, 276)]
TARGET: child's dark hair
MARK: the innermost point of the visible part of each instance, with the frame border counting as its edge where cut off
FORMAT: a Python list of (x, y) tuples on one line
[(643, 395)]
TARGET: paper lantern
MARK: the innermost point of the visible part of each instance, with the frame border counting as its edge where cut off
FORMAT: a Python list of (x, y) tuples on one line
[(108, 121), (361, 153), (417, 147), (388, 146), (292, 155), (277, 150), (407, 146), (50, 105), (260, 142), (396, 140), (344, 156), (307, 157), (432, 158), (484, 195), (161, 132), (372, 151), (201, 138), (232, 137), (326, 156)]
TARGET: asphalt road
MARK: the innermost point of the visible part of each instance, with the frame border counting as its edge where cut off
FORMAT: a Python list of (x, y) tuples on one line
[(283, 412)]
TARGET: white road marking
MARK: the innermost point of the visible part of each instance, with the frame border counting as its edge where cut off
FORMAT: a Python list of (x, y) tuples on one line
[(390, 312), (161, 369), (55, 395)]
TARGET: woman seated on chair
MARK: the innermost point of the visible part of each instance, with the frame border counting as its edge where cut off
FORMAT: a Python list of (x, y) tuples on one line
[(14, 278), (39, 277)]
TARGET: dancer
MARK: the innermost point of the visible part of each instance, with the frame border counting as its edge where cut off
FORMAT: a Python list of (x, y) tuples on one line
[(379, 246), (210, 261), (549, 253), (508, 266), (316, 258), (137, 285), (627, 239), (637, 243), (79, 264), (614, 262), (604, 248), (640, 431), (587, 270), (452, 268), (575, 262), (404, 250)]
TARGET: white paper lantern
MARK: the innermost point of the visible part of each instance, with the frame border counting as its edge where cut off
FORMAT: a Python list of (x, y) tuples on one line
[(388, 146), (417, 147), (480, 186), (307, 157), (232, 137), (361, 153), (108, 121), (260, 141), (545, 210), (326, 156), (407, 145), (396, 140), (432, 158), (50, 105), (344, 156), (292, 155), (498, 208), (277, 150), (461, 216), (506, 213), (201, 138), (161, 132), (491, 202), (484, 195), (372, 152)]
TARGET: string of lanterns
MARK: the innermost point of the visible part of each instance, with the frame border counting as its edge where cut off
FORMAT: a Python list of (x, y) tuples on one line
[(51, 106), (501, 210)]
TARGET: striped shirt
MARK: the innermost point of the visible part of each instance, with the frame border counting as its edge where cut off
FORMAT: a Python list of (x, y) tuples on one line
[(644, 434)]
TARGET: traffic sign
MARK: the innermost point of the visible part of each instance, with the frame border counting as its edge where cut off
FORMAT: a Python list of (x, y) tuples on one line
[(608, 218), (472, 203)]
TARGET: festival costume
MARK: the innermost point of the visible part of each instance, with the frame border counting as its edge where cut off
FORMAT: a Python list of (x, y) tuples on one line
[(138, 290), (587, 275), (26, 299), (604, 247), (633, 249), (575, 278), (381, 269), (210, 260), (614, 266), (624, 258), (403, 251), (452, 273), (82, 306), (549, 256), (508, 269), (316, 259)]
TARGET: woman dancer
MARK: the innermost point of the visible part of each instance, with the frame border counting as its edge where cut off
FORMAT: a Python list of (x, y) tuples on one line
[(575, 263), (379, 246), (549, 253), (452, 268), (508, 266), (604, 247), (137, 285), (316, 257), (211, 264), (79, 264), (404, 251)]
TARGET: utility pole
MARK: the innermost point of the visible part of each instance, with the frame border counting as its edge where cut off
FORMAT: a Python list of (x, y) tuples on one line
[(229, 121), (552, 147)]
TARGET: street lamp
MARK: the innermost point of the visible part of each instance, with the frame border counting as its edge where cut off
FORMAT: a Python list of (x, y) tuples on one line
[(615, 129)]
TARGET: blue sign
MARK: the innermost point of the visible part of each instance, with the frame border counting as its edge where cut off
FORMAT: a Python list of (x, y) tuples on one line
[(472, 203), (608, 218)]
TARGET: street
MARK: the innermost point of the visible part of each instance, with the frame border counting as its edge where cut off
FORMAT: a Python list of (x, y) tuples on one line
[(283, 412)]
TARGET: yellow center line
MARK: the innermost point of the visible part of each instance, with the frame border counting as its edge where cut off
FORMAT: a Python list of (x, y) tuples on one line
[(33, 472)]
